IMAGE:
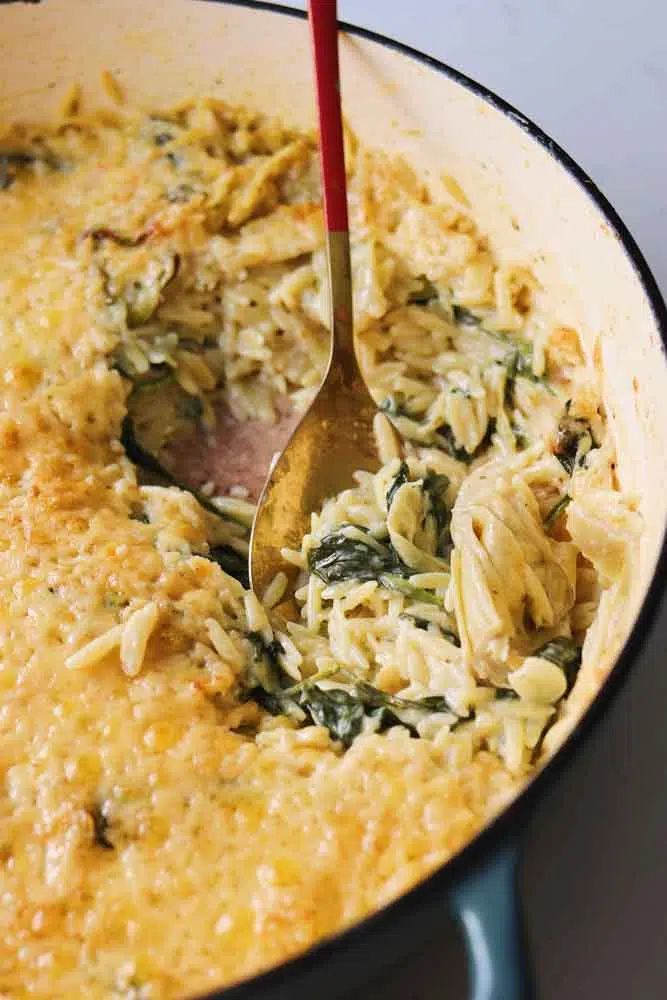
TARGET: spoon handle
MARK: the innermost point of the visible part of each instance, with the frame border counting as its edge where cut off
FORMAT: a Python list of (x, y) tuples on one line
[(324, 33)]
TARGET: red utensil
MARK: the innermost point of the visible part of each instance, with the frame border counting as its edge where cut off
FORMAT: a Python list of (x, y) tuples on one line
[(324, 33)]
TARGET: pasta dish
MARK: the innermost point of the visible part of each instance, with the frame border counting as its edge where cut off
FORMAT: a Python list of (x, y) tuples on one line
[(195, 787)]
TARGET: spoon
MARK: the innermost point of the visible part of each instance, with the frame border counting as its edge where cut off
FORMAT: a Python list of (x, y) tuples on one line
[(335, 436)]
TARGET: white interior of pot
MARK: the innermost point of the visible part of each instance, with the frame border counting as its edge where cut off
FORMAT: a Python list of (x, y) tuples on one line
[(533, 211)]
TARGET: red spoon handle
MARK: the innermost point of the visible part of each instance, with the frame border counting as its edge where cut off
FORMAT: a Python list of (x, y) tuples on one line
[(324, 34)]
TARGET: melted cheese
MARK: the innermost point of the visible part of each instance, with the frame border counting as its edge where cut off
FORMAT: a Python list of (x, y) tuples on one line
[(161, 835)]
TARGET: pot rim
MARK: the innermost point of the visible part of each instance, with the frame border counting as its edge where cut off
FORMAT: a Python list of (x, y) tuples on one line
[(436, 885)]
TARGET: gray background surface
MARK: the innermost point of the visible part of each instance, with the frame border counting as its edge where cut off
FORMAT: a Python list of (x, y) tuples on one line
[(593, 74)]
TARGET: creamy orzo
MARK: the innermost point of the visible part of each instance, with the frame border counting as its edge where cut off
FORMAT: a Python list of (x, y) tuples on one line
[(193, 788)]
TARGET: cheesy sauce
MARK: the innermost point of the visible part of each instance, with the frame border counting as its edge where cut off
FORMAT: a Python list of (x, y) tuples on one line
[(185, 801)]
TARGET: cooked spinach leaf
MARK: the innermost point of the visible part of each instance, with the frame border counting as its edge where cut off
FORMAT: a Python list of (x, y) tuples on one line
[(339, 558), (14, 161), (382, 718), (401, 477), (518, 361), (552, 516), (394, 406), (11, 164), (423, 624), (276, 703), (265, 669), (435, 487), (336, 709), (450, 636), (463, 316), (447, 440), (519, 364), (420, 623), (100, 827), (143, 296), (565, 653), (424, 295), (394, 582), (343, 712), (176, 160), (506, 694), (137, 513), (574, 440), (520, 438), (114, 599), (372, 697)]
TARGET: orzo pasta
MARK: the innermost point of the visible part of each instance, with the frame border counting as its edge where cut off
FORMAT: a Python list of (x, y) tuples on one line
[(195, 788)]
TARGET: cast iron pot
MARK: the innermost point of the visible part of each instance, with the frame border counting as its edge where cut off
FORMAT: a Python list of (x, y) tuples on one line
[(538, 208)]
